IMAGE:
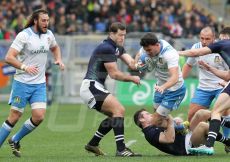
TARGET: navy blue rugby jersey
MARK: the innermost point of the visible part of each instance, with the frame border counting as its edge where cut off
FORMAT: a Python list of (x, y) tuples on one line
[(223, 48), (105, 52), (152, 135)]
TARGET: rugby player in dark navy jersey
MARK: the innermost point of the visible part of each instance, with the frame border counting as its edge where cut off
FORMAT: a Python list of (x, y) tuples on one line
[(103, 62), (166, 139), (222, 103)]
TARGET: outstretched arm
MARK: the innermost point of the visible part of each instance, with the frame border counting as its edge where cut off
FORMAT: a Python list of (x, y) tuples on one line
[(116, 74), (195, 52), (225, 75), (128, 60)]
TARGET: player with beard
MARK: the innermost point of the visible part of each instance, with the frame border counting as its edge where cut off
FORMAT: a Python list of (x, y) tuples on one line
[(28, 54)]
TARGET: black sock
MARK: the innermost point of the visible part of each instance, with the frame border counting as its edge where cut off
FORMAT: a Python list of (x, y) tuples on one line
[(103, 129), (9, 124), (118, 128), (222, 139), (214, 127), (225, 122)]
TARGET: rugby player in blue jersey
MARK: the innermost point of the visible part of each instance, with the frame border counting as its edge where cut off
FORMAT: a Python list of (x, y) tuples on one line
[(28, 54), (103, 62), (223, 101)]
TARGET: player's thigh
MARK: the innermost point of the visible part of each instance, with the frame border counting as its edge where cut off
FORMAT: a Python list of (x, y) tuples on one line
[(222, 104), (199, 134), (112, 106), (170, 99), (193, 108), (93, 94), (19, 96), (38, 98), (223, 101)]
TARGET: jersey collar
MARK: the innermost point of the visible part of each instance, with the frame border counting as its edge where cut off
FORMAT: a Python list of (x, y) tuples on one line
[(111, 42)]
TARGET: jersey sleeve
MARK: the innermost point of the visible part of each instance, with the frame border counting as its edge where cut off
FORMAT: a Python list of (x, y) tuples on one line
[(107, 55), (172, 58), (121, 50), (215, 47), (20, 41), (191, 61), (152, 135)]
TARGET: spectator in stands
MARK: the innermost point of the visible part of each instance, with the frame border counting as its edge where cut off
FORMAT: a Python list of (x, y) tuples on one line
[(123, 11)]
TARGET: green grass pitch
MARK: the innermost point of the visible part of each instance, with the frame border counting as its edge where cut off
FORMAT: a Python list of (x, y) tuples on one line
[(67, 128)]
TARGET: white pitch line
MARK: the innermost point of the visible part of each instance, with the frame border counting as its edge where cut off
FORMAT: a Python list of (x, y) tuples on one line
[(129, 143)]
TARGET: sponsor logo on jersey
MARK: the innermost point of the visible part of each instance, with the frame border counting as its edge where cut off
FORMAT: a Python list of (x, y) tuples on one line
[(117, 52), (217, 59), (41, 50), (48, 40), (160, 60)]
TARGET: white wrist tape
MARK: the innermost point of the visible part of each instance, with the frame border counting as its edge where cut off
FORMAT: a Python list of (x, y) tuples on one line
[(23, 67)]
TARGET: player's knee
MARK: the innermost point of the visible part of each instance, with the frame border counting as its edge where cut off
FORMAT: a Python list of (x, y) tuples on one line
[(14, 116), (38, 118), (119, 112), (203, 126), (200, 114)]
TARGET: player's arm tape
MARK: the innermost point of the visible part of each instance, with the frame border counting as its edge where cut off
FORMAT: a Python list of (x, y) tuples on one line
[(23, 67)]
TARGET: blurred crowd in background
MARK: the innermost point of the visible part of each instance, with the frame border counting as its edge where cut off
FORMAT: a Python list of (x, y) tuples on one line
[(72, 17)]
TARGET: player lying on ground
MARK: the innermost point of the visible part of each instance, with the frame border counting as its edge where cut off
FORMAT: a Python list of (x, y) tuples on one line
[(167, 140)]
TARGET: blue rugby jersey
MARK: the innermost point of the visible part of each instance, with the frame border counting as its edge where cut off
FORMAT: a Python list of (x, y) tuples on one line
[(152, 134), (105, 52)]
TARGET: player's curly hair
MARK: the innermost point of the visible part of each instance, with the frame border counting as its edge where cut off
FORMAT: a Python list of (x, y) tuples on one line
[(34, 16)]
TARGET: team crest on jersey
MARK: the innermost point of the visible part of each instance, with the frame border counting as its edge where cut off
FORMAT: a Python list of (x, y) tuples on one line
[(160, 60), (48, 40), (217, 59), (117, 52), (17, 99)]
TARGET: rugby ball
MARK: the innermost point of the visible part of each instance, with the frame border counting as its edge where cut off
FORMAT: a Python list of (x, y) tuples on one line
[(146, 60)]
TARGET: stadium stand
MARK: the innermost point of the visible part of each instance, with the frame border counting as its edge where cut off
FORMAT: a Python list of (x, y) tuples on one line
[(70, 17)]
